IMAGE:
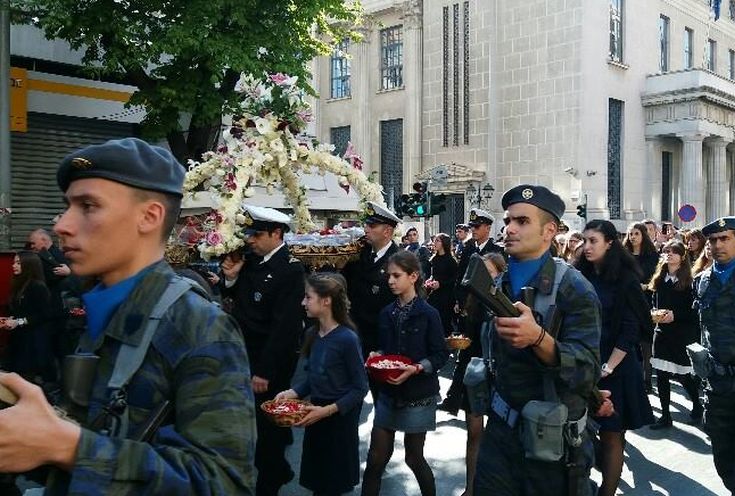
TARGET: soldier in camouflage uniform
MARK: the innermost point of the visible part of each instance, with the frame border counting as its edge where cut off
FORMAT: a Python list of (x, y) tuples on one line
[(123, 198), (715, 298), (523, 352)]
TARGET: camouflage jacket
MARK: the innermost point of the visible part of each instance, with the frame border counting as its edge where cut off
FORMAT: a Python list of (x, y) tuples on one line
[(519, 373), (197, 360), (716, 304)]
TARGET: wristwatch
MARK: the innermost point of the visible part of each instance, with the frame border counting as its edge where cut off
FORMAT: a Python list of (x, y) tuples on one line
[(607, 369)]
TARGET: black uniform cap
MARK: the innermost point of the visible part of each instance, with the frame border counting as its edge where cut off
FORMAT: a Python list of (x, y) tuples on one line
[(721, 224), (129, 161), (540, 196)]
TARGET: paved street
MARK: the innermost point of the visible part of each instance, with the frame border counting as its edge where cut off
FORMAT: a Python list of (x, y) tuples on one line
[(675, 462)]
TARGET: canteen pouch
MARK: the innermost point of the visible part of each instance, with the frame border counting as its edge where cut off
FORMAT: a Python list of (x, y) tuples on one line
[(702, 362), (476, 384), (542, 430)]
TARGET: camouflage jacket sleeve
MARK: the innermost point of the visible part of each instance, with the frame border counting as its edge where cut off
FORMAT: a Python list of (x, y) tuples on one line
[(578, 340), (197, 360)]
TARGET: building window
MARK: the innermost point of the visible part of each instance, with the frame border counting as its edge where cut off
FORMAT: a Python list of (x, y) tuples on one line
[(663, 37), (339, 137), (731, 10), (666, 185), (445, 76), (340, 71), (731, 64), (614, 163), (391, 58), (711, 55), (391, 159), (688, 48), (616, 30)]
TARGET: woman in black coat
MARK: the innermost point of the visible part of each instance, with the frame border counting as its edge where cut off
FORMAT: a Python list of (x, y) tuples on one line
[(672, 294), (29, 351), (625, 317), (441, 284)]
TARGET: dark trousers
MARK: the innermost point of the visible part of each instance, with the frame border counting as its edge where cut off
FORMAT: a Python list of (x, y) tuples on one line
[(503, 470), (719, 423), (270, 451)]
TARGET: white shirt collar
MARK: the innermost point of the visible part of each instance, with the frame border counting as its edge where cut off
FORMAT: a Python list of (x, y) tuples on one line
[(270, 254), (482, 246), (379, 254), (671, 278)]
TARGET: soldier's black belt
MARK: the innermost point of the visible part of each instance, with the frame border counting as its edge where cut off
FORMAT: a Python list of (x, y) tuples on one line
[(503, 410)]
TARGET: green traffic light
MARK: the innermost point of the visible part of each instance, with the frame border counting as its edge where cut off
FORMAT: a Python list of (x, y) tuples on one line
[(420, 210)]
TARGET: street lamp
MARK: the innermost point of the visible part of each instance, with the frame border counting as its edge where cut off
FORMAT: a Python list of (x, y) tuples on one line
[(480, 196)]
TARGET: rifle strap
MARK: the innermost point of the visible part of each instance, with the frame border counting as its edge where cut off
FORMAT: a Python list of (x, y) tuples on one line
[(130, 358)]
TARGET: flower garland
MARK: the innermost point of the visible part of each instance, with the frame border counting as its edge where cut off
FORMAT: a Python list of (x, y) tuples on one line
[(261, 147)]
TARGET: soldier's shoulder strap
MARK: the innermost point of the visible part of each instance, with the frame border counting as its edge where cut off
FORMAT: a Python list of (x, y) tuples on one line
[(130, 358), (544, 302)]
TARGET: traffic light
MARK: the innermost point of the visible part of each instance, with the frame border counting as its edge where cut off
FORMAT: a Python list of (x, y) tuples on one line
[(418, 205), (402, 207), (437, 203), (582, 211)]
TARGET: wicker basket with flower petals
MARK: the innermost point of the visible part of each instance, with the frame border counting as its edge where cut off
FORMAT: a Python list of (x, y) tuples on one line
[(458, 342), (285, 413)]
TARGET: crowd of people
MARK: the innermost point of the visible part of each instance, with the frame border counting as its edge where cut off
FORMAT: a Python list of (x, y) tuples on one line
[(550, 383)]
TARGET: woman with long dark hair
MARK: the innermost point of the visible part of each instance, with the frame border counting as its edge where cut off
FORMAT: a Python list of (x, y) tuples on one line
[(441, 282), (29, 350), (695, 242), (672, 295), (615, 275), (704, 261), (643, 250)]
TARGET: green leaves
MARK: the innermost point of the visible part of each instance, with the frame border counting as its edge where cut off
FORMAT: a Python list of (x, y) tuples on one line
[(182, 54)]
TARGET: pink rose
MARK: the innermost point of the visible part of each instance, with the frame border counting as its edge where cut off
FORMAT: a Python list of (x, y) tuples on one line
[(214, 238), (278, 78)]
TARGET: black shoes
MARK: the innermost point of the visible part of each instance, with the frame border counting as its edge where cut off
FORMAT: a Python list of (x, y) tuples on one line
[(696, 415), (662, 423), (449, 405)]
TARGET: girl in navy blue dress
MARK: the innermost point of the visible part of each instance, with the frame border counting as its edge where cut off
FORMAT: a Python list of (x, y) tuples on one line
[(337, 383), (413, 328), (625, 316)]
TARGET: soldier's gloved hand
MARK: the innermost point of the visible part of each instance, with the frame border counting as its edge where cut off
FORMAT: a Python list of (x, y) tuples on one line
[(27, 427), (519, 332), (260, 385)]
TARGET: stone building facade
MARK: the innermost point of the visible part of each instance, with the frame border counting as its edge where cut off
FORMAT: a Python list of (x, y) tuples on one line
[(625, 105)]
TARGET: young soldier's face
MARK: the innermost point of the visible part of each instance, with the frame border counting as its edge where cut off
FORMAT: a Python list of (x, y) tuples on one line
[(526, 238), (100, 228)]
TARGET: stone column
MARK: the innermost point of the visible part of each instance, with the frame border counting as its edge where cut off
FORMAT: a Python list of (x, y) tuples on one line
[(691, 179), (362, 71), (413, 84), (652, 177), (717, 180)]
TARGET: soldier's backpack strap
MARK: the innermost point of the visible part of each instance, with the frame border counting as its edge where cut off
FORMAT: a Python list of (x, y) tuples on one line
[(545, 305), (130, 358)]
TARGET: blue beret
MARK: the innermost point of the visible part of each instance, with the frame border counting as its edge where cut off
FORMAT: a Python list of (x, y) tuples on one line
[(540, 196), (721, 224), (129, 161)]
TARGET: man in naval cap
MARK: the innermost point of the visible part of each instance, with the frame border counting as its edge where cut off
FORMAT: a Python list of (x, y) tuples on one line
[(267, 291)]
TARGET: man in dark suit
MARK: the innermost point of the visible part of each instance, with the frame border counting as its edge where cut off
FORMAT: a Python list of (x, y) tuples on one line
[(367, 281), (267, 290)]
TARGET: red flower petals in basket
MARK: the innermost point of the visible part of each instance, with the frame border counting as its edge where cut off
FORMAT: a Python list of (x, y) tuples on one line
[(285, 413), (384, 367)]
